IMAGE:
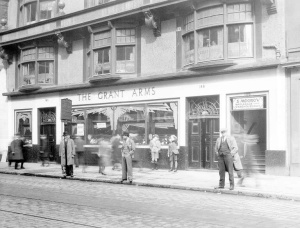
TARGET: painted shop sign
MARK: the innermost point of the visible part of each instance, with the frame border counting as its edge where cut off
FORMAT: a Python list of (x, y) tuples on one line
[(247, 103), (116, 94)]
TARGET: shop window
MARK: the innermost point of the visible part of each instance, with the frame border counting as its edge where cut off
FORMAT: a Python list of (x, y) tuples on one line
[(212, 37), (36, 65), (140, 120), (36, 10), (23, 124), (123, 47)]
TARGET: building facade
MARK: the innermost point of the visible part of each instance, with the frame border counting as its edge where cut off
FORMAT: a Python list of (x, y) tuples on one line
[(179, 67)]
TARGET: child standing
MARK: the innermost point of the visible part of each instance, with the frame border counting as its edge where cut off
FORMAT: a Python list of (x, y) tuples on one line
[(173, 152)]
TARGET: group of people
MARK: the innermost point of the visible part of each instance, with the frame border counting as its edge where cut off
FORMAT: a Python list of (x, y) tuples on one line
[(68, 149)]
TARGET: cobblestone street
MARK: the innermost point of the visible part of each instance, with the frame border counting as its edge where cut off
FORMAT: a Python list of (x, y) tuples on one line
[(35, 202)]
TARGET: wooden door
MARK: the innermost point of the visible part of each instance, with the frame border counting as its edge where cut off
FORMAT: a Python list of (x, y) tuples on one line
[(50, 131), (211, 134)]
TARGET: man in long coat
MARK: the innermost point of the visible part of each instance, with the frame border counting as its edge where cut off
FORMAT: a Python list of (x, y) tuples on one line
[(225, 148), (67, 154), (16, 152)]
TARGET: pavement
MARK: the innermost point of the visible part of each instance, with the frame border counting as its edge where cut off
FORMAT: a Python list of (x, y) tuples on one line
[(260, 185)]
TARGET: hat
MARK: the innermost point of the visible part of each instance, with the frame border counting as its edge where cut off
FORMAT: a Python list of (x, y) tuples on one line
[(125, 133), (65, 133), (223, 129), (173, 138), (155, 135)]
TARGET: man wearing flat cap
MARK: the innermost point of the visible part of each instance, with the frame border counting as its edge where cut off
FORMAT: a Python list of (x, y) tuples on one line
[(225, 149)]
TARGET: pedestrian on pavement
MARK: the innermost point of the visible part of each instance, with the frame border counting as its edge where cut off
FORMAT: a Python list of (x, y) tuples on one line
[(79, 142), (128, 148), (173, 153), (104, 153), (17, 151), (115, 143), (225, 149), (238, 167), (44, 149), (67, 154), (155, 147)]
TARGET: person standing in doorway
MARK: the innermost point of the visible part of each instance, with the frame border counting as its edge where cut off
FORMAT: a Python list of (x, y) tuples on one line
[(225, 149), (155, 149), (67, 154), (17, 151), (44, 150), (79, 142), (173, 153), (128, 147)]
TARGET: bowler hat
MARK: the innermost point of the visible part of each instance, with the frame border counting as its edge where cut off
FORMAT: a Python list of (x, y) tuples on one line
[(223, 129), (65, 133), (125, 133)]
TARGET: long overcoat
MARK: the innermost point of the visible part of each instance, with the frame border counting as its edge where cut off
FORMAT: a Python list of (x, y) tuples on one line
[(16, 147), (70, 152)]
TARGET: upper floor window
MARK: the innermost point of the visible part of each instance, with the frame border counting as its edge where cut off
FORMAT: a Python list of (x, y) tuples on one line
[(113, 50), (36, 10), (91, 3), (36, 66), (220, 32)]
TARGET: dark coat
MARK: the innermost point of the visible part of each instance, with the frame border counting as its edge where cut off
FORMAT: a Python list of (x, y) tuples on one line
[(16, 150)]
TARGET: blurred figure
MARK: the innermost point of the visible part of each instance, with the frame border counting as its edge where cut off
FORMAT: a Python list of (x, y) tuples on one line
[(44, 149), (128, 148), (155, 149), (67, 154), (79, 142), (115, 143), (173, 152), (104, 154), (17, 151)]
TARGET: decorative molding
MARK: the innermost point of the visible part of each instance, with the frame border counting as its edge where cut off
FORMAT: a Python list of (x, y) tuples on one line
[(271, 6), (103, 78), (48, 117), (61, 41), (153, 22), (29, 88), (5, 56), (275, 47), (211, 64)]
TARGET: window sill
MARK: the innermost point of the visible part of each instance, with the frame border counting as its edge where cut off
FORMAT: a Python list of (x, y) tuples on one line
[(211, 64), (103, 78), (29, 88)]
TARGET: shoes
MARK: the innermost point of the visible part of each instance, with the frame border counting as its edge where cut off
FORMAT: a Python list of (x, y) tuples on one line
[(122, 181), (231, 187), (22, 168), (103, 173), (170, 170), (219, 187), (64, 177), (130, 182), (175, 170)]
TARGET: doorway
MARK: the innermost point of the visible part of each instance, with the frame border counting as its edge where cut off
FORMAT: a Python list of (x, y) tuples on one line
[(48, 129), (203, 131), (202, 137)]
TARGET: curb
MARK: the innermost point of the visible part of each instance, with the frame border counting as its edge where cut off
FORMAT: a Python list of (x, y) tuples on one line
[(178, 187)]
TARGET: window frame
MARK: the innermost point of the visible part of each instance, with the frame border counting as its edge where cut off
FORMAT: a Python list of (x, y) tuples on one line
[(22, 21), (36, 60), (224, 24), (90, 53)]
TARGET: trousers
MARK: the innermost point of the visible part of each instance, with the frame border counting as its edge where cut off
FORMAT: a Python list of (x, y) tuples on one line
[(225, 163), (127, 167)]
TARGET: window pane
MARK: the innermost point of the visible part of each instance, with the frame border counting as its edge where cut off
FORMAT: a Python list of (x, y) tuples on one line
[(46, 9), (102, 39), (24, 125), (29, 54), (210, 44), (45, 74), (189, 48), (102, 61), (28, 73), (163, 120), (239, 12), (125, 59), (30, 12), (210, 16), (125, 35), (189, 23), (240, 41), (46, 53)]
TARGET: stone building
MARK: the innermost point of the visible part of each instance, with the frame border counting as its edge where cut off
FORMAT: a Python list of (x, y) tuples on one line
[(177, 67)]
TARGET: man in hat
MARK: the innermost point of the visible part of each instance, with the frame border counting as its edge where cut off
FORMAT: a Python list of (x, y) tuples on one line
[(16, 153), (155, 148), (128, 148), (67, 154), (225, 149)]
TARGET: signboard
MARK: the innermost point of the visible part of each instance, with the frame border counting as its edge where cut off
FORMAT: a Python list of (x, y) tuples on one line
[(66, 109), (247, 103), (101, 125), (80, 129)]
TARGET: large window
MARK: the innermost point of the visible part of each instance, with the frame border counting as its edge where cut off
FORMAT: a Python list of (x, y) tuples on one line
[(140, 120), (223, 32), (113, 50), (36, 10), (36, 66)]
